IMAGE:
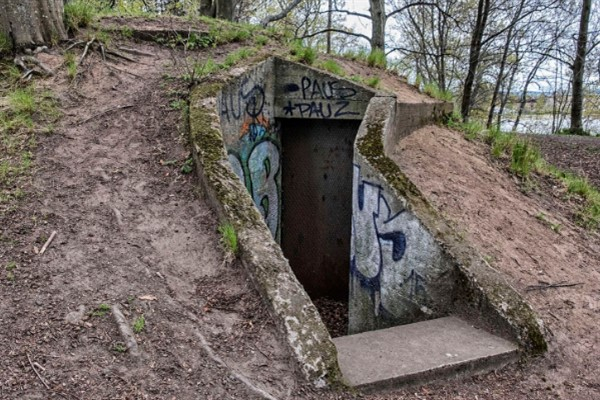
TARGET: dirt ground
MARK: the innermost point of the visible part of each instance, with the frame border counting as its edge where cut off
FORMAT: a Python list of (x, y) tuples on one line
[(513, 228), (132, 230), (579, 154)]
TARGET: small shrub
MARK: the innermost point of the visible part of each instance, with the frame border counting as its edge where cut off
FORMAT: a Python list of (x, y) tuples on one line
[(188, 165), (78, 14), (229, 238), (377, 59)]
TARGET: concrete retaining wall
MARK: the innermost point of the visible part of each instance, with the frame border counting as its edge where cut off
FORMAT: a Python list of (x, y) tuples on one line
[(407, 264), (398, 272), (302, 329)]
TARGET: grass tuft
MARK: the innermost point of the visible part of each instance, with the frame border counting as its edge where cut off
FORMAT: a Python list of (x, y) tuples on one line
[(306, 55), (139, 324), (229, 239), (525, 158), (373, 82), (377, 59), (433, 90), (71, 65), (78, 14), (332, 66), (6, 44)]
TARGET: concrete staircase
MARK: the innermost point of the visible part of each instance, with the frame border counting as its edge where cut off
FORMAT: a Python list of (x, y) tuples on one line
[(420, 352)]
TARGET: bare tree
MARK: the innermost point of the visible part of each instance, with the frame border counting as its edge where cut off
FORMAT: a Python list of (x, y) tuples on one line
[(32, 22)]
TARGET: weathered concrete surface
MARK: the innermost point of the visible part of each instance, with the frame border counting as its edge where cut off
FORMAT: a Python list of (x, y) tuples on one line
[(479, 292), (407, 263), (302, 329), (399, 273), (302, 92), (420, 352)]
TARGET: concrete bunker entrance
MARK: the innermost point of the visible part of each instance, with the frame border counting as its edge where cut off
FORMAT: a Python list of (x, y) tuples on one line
[(316, 186)]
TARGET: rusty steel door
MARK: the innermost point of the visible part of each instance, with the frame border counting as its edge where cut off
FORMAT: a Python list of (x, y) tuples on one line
[(317, 203)]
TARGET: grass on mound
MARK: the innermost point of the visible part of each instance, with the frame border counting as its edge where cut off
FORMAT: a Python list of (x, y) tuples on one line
[(524, 158), (25, 113)]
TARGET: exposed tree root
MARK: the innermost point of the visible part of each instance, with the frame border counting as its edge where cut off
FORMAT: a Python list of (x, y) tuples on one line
[(30, 65), (126, 332)]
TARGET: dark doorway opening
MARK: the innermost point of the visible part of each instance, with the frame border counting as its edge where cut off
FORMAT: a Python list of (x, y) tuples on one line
[(316, 214)]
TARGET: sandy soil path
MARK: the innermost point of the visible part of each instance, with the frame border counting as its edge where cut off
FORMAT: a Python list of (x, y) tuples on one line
[(132, 231)]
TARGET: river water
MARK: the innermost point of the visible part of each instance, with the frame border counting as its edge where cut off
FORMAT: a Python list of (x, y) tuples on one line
[(542, 124)]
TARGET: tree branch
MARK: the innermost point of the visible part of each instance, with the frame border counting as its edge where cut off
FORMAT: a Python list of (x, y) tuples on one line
[(276, 17), (360, 35)]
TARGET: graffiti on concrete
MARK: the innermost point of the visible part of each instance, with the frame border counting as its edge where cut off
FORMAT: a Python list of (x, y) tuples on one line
[(255, 158), (257, 164), (379, 244), (247, 102), (319, 99)]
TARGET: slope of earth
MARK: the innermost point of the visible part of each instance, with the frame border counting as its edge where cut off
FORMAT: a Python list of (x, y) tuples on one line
[(131, 231), (529, 236), (579, 154)]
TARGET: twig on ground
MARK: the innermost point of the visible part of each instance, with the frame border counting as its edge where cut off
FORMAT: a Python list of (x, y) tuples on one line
[(36, 372), (123, 56), (126, 331), (551, 286), (103, 52), (45, 246), (124, 71), (74, 45), (104, 112), (87, 46), (135, 51)]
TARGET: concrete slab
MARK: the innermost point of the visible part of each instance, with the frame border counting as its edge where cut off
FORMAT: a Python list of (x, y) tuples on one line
[(420, 352)]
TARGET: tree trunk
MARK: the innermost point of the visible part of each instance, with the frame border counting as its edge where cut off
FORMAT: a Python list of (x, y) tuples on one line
[(483, 10), (378, 20), (208, 8), (32, 22), (225, 9), (578, 69)]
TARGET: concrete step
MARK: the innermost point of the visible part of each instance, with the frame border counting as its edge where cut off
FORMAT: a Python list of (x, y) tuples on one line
[(419, 353)]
